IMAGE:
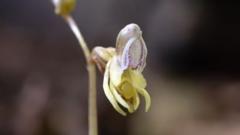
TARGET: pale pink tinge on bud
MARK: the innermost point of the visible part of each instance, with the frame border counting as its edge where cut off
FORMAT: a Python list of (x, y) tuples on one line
[(131, 48)]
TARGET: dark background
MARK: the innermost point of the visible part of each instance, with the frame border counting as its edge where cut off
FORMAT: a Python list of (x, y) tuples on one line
[(192, 72)]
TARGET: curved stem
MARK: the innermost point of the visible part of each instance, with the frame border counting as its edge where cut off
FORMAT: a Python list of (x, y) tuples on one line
[(92, 104)]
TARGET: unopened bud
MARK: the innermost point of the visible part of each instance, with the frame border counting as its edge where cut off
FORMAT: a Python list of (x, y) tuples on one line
[(64, 7)]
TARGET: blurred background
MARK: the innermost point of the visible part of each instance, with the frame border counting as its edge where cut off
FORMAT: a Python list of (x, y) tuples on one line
[(193, 67)]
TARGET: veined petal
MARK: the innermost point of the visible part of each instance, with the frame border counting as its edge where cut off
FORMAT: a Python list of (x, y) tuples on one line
[(108, 92), (147, 98), (144, 56), (131, 48), (134, 54), (128, 32), (125, 57)]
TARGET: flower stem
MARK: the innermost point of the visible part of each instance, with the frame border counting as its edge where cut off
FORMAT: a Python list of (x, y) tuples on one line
[(92, 104)]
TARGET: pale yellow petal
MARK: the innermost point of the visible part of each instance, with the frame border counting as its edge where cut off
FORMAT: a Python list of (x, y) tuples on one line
[(127, 90), (138, 81), (108, 92), (115, 72), (131, 110), (136, 102), (147, 98), (118, 97)]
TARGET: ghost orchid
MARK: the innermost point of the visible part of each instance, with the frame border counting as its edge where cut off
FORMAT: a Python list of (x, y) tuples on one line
[(123, 79)]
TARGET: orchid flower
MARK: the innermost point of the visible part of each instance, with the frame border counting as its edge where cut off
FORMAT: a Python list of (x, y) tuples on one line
[(123, 80)]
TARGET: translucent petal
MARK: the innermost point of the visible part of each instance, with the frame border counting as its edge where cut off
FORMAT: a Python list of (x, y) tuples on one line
[(147, 98), (108, 92), (142, 64), (130, 31), (125, 57), (134, 54), (131, 48), (115, 72)]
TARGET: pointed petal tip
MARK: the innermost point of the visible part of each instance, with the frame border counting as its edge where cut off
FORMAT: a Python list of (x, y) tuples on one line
[(148, 103), (118, 97), (137, 103), (108, 92), (147, 107), (121, 111), (147, 98)]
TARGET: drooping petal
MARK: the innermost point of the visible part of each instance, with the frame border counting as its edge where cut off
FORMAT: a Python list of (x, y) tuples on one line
[(136, 102), (139, 83), (108, 92), (147, 98), (118, 97)]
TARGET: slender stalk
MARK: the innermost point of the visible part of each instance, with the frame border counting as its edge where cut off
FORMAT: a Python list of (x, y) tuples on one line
[(92, 104)]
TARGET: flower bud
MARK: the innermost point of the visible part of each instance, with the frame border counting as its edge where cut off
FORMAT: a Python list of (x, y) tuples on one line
[(64, 7), (131, 48)]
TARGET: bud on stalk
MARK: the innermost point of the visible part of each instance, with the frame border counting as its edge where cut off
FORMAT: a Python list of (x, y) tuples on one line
[(64, 7)]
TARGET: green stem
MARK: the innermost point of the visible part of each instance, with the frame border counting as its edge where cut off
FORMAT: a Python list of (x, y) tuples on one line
[(92, 103)]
